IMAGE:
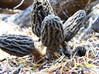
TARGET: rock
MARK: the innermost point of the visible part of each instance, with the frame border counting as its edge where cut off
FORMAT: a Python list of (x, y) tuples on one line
[(66, 8), (95, 25)]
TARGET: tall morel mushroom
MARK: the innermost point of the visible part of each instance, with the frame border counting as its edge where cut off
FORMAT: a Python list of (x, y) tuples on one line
[(52, 34), (40, 9)]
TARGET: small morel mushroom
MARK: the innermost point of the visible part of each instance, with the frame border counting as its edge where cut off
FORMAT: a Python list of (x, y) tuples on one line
[(73, 24), (17, 45)]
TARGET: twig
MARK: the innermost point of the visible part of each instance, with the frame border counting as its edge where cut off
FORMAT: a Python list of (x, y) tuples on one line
[(91, 21), (19, 4), (17, 69), (86, 30)]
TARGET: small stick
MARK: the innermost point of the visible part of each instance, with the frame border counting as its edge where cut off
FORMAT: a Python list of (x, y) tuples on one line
[(19, 4), (17, 69), (91, 21)]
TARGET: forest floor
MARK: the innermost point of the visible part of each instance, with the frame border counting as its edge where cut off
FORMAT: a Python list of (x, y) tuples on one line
[(88, 64)]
